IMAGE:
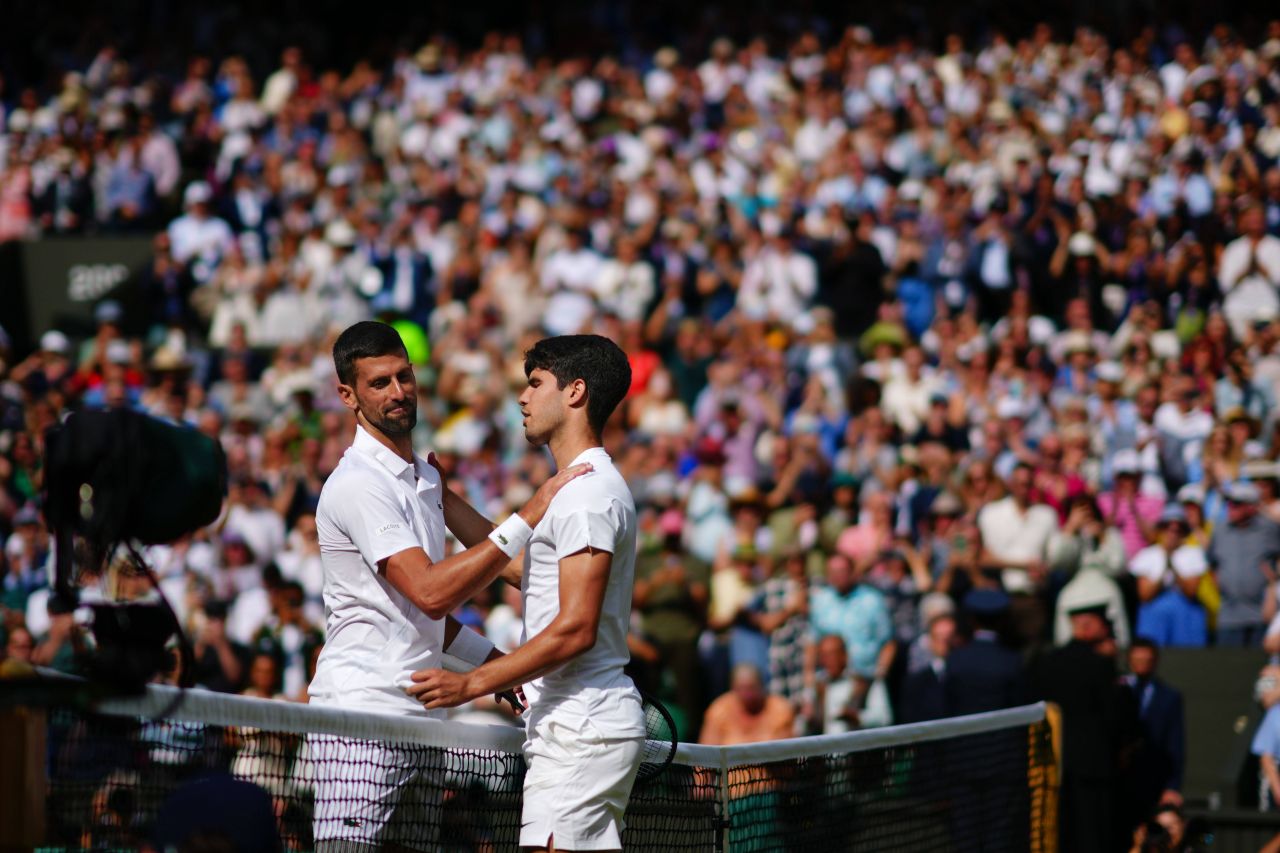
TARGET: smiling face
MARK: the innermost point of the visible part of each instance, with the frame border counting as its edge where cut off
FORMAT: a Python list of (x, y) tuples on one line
[(384, 394), (545, 405)]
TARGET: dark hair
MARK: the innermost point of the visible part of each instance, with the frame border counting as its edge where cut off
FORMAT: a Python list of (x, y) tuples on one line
[(366, 339), (1144, 643), (595, 360)]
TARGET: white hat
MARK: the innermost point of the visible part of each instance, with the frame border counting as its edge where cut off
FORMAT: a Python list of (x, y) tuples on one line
[(1125, 462), (1191, 493), (197, 192), (1110, 371), (1009, 407), (1081, 243), (1241, 492), (55, 341), (340, 233), (1105, 124), (1189, 561), (119, 352), (1076, 340)]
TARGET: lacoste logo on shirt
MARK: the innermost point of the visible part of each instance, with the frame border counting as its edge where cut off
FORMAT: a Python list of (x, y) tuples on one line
[(350, 821), (387, 528), (503, 539)]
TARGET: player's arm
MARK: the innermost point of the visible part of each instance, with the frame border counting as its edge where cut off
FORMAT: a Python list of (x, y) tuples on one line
[(584, 577), (436, 588), (469, 527)]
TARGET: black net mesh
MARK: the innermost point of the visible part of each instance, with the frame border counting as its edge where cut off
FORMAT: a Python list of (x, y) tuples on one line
[(982, 792), (109, 778)]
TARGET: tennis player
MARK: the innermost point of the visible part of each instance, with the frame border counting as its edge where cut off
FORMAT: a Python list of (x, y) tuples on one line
[(585, 724), (388, 590)]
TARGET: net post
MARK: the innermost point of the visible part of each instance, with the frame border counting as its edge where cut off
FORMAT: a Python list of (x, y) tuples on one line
[(22, 776)]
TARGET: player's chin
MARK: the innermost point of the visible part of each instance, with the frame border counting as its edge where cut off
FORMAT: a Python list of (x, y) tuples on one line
[(401, 422)]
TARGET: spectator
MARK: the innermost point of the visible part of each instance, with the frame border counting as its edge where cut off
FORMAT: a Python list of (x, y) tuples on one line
[(1015, 540), (1156, 768), (924, 694), (220, 663), (846, 702), (1125, 507), (1169, 575), (19, 645), (983, 674), (857, 613), (1081, 678), (747, 713), (1242, 553)]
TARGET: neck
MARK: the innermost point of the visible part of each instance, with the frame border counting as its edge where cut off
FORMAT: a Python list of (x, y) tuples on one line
[(401, 445), (567, 445)]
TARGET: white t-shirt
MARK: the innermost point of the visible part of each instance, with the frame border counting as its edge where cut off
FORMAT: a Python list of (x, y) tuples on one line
[(374, 505), (589, 692), (1152, 562), (1017, 536)]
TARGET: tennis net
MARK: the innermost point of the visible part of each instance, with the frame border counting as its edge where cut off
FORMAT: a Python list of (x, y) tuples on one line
[(986, 782)]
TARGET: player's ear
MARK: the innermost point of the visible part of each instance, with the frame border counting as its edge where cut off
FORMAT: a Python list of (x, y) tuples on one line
[(577, 392), (347, 394)]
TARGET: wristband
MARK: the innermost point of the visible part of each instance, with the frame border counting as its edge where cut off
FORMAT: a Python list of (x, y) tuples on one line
[(512, 535), (470, 647)]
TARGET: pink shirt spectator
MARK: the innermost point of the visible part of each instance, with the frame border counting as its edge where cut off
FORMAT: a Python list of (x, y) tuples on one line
[(861, 541), (1123, 517)]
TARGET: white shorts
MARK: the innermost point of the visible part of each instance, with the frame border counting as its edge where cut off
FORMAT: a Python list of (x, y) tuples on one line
[(576, 788), (376, 793)]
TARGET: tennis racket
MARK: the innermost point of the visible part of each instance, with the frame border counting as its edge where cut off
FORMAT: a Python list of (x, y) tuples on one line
[(660, 740)]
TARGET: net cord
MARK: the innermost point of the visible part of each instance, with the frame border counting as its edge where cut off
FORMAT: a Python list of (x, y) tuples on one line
[(204, 706)]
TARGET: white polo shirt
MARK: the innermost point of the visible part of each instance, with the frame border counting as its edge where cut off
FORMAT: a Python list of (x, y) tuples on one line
[(590, 694), (374, 505)]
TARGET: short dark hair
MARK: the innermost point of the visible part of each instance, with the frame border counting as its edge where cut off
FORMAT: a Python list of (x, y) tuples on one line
[(595, 360), (366, 339), (1144, 643)]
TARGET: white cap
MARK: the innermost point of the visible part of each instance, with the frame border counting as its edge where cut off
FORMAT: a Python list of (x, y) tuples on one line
[(1110, 371), (1009, 407), (1189, 561), (340, 233), (1191, 493), (1126, 462), (55, 341), (119, 352), (197, 192), (1081, 243)]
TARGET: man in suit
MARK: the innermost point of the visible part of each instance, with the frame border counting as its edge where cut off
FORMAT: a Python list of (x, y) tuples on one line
[(1080, 678), (1155, 771), (984, 674), (924, 694)]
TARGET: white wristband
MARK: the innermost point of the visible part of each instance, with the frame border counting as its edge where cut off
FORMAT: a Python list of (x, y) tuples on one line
[(470, 647), (512, 535)]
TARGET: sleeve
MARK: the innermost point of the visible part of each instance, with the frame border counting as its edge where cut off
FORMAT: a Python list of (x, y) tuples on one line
[(375, 522), (1147, 564), (595, 527), (1264, 742)]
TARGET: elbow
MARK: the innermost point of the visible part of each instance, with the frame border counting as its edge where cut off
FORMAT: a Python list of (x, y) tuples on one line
[(578, 640), (433, 605)]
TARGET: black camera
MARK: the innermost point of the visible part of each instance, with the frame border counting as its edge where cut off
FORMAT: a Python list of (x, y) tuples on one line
[(114, 478)]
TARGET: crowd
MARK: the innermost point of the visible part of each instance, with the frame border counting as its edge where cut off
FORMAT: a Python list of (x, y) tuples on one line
[(926, 344)]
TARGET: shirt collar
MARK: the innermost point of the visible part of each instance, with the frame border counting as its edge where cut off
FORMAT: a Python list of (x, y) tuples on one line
[(389, 459), (589, 454)]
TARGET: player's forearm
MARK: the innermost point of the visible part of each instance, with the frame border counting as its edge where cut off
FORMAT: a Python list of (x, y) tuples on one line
[(437, 588), (463, 520), (544, 653)]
